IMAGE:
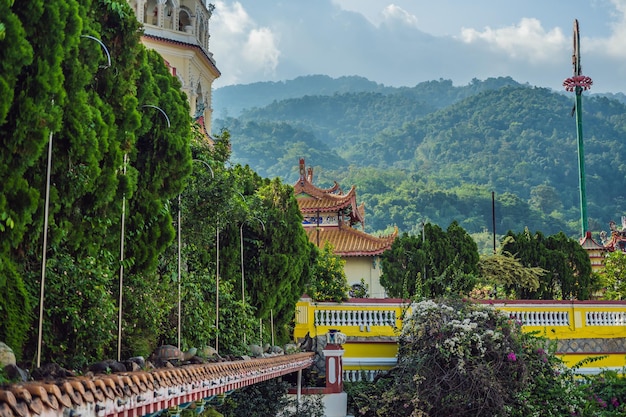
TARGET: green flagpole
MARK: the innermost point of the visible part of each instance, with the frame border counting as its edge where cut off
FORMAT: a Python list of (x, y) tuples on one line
[(581, 162), (579, 83)]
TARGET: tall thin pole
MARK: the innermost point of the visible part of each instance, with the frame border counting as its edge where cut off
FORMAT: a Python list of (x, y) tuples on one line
[(179, 263), (179, 253), (581, 161), (272, 325), (45, 247), (493, 219), (217, 290), (119, 314), (579, 83), (243, 281)]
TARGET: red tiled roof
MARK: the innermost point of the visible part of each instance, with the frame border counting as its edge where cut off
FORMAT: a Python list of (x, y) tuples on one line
[(347, 241)]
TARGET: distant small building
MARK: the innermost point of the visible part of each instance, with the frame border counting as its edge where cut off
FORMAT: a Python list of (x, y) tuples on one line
[(333, 216), (595, 251)]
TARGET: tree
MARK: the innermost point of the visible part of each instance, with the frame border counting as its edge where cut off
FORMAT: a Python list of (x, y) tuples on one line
[(505, 271), (567, 265), (402, 267), (107, 150), (613, 277), (286, 258), (329, 282), (437, 263)]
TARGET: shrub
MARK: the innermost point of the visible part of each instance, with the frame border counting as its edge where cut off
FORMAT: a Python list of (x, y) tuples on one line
[(459, 358)]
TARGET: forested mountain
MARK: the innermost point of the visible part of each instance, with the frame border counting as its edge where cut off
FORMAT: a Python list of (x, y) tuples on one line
[(436, 152)]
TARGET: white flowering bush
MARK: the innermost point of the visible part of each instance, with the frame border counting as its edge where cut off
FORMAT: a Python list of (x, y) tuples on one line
[(458, 358)]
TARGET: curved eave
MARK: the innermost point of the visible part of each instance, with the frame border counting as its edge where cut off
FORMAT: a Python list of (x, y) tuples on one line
[(327, 202), (349, 242), (206, 58)]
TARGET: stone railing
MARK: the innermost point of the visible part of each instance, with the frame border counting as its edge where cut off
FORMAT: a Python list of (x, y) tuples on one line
[(568, 319), (356, 318)]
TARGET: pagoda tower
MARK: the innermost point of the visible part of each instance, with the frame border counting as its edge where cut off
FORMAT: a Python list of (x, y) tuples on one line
[(179, 31), (330, 215)]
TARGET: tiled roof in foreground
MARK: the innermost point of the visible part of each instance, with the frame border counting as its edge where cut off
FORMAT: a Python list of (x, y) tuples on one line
[(134, 394)]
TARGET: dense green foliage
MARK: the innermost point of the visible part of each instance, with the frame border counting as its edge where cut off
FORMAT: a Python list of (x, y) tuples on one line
[(566, 264), (329, 282), (613, 276), (269, 399), (503, 270), (435, 264), (435, 152), (463, 359), (116, 160)]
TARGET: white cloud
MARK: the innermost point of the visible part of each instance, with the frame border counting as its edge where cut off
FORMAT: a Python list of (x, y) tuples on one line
[(239, 39), (396, 13), (526, 41), (260, 49), (615, 45)]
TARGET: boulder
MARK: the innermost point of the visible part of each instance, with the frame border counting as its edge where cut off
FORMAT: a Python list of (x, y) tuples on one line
[(7, 357), (168, 353)]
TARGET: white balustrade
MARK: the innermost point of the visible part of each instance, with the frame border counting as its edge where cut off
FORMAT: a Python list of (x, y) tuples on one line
[(361, 375), (338, 318), (605, 318), (541, 318)]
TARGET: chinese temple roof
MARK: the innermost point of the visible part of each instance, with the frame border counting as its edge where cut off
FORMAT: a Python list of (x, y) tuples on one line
[(313, 199), (348, 241)]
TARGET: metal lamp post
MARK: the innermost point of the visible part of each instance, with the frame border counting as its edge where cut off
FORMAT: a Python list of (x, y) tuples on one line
[(45, 244), (179, 252), (121, 280), (243, 282)]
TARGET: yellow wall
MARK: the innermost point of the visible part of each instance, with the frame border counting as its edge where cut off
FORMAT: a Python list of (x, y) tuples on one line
[(372, 326), (368, 268)]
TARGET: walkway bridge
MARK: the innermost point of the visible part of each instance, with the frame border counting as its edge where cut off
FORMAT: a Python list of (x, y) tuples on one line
[(144, 393)]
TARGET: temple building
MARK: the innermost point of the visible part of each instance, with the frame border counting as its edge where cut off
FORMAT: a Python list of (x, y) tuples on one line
[(179, 31), (595, 251), (330, 215)]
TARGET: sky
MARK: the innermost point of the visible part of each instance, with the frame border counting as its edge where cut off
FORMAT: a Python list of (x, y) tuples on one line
[(405, 42)]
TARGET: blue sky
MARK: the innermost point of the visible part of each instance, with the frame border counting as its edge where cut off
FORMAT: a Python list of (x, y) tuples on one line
[(405, 42)]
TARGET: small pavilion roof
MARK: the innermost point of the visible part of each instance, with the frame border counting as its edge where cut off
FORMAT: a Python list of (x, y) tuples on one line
[(313, 199)]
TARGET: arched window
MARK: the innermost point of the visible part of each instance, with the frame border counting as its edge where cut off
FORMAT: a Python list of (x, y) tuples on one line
[(184, 20), (151, 13)]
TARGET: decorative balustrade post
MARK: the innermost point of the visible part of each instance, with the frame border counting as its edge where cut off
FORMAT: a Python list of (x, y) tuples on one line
[(333, 354)]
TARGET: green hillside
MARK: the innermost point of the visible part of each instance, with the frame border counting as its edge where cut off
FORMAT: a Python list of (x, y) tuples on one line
[(436, 152)]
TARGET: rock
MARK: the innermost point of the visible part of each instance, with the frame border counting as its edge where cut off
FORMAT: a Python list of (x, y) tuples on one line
[(51, 371), (132, 366), (207, 352), (196, 360), (16, 374), (291, 348), (138, 360), (7, 357), (187, 355), (107, 366), (276, 350), (256, 351), (168, 353)]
